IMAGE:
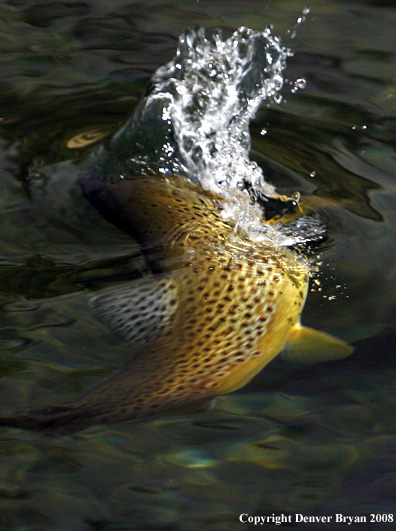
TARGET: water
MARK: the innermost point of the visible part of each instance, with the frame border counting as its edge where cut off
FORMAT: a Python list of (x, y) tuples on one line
[(194, 121), (195, 118), (319, 439)]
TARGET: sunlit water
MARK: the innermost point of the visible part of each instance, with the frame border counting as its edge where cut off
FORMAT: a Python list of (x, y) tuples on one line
[(319, 440), (194, 121)]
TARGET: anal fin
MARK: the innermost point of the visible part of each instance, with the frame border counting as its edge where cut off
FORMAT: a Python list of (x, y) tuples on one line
[(307, 346)]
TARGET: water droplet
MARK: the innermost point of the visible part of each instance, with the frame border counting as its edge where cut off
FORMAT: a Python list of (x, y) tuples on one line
[(296, 197), (300, 83)]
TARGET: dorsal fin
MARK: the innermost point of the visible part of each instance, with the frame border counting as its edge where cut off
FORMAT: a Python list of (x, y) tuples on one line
[(140, 312)]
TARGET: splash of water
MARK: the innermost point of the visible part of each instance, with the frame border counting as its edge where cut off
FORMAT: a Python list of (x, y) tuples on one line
[(195, 118), (217, 87)]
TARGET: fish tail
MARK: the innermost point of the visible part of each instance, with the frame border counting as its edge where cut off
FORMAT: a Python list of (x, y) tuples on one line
[(64, 419)]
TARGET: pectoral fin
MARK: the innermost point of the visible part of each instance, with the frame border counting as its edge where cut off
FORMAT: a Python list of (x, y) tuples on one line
[(140, 312), (306, 345)]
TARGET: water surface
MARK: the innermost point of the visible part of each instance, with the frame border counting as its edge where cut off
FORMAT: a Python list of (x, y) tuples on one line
[(319, 440)]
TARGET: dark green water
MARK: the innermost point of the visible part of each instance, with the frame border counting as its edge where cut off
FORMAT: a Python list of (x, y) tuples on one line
[(319, 440)]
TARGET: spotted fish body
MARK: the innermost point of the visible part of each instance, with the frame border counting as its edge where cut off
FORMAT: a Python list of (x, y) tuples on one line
[(220, 317), (217, 309)]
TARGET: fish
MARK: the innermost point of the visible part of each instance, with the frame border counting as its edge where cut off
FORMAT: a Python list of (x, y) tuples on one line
[(217, 308)]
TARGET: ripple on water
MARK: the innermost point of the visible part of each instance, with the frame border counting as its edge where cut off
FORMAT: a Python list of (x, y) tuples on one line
[(321, 440)]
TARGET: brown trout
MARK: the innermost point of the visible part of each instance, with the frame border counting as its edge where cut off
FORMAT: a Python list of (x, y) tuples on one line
[(216, 310)]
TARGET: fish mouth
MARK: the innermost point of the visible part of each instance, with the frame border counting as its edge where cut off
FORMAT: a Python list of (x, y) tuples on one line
[(274, 206)]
